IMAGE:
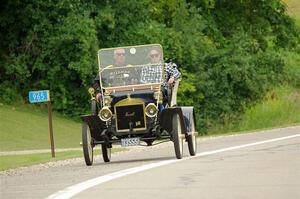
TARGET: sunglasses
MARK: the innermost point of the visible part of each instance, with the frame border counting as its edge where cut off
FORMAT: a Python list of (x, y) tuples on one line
[(154, 55), (120, 54)]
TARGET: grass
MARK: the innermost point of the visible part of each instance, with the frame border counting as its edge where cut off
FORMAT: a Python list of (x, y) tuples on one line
[(281, 107), (23, 129), (293, 9), (15, 161)]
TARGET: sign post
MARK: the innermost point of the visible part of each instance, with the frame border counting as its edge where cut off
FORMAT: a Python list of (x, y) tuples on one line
[(44, 96)]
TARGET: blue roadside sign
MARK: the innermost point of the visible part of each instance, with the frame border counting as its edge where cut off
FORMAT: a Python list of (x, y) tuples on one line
[(44, 96), (39, 96)]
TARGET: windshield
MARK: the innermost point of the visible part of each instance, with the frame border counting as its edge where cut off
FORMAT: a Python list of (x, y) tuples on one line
[(128, 66)]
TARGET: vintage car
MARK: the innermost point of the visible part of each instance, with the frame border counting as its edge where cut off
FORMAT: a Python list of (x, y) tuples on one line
[(133, 108)]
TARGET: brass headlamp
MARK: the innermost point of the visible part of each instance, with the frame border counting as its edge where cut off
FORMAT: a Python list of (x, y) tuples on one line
[(105, 114), (151, 110)]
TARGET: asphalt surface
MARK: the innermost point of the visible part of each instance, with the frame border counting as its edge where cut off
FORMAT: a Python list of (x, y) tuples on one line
[(266, 170)]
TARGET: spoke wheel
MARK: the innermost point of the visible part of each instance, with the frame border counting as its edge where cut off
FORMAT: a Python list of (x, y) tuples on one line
[(106, 152), (87, 144), (192, 141), (177, 136)]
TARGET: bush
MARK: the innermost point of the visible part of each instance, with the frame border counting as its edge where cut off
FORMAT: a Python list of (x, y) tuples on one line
[(9, 95)]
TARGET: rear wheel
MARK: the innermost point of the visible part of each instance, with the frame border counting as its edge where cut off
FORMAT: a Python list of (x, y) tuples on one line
[(192, 140), (87, 144), (177, 136), (106, 152)]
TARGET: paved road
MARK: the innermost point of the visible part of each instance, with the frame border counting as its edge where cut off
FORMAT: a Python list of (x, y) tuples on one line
[(261, 170)]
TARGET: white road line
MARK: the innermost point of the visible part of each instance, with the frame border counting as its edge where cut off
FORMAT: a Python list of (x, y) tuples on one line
[(77, 188)]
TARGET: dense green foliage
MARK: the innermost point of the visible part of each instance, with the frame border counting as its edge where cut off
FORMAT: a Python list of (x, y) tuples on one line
[(229, 52)]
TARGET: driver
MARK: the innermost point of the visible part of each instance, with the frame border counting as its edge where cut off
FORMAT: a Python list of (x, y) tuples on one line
[(119, 57), (170, 70), (119, 61)]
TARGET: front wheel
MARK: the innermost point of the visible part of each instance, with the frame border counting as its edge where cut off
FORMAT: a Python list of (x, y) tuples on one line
[(106, 152), (87, 144), (177, 136)]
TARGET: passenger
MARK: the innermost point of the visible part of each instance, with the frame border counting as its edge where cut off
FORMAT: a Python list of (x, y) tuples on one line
[(170, 70)]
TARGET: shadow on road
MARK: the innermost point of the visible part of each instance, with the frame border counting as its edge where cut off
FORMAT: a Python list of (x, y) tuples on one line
[(133, 161)]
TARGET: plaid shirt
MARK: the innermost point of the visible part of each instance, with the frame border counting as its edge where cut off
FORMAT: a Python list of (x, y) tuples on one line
[(153, 73)]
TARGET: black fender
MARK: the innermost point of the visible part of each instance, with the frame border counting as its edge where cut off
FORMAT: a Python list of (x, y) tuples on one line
[(186, 115), (96, 125)]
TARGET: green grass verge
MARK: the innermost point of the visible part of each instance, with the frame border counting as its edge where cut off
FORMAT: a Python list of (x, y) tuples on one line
[(23, 128), (281, 107), (293, 9), (15, 161)]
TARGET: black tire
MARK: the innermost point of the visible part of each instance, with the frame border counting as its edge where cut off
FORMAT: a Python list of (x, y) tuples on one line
[(106, 152), (177, 136), (149, 142), (94, 107), (192, 141), (87, 144)]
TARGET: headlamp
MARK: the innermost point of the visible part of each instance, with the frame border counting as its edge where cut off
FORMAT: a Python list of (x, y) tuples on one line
[(105, 114), (151, 110)]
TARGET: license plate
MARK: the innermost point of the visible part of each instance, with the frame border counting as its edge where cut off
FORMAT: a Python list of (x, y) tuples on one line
[(130, 142)]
